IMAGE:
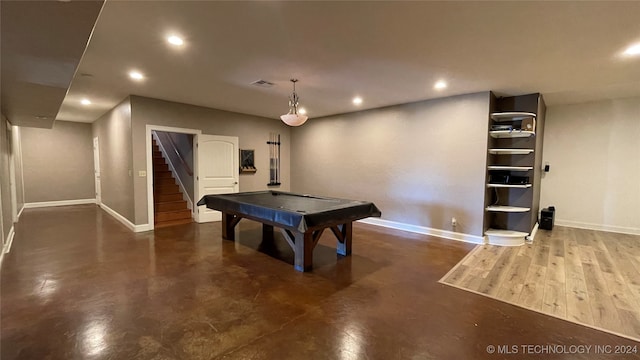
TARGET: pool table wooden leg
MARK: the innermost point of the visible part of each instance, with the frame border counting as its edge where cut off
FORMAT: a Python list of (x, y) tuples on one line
[(343, 234), (229, 222), (303, 251), (267, 232)]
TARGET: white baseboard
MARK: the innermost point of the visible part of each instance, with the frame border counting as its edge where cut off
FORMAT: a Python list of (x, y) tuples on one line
[(58, 203), (125, 221), (599, 227), (143, 227), (532, 237), (20, 212), (425, 230), (6, 248)]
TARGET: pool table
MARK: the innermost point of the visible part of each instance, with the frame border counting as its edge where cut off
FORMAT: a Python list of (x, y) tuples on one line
[(300, 218)]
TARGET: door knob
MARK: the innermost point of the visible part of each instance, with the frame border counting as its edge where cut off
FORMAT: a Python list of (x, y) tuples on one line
[(235, 183)]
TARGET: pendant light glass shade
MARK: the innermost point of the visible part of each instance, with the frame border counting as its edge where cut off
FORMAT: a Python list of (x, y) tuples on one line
[(292, 118)]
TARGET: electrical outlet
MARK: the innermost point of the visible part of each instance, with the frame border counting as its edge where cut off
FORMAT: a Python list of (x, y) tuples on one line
[(454, 222)]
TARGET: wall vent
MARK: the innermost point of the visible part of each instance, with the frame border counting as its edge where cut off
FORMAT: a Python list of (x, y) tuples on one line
[(262, 83)]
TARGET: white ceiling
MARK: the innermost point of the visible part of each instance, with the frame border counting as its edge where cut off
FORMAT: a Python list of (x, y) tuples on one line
[(386, 52), (42, 43)]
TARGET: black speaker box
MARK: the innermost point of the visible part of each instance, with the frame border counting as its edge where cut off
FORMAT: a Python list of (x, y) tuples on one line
[(546, 219)]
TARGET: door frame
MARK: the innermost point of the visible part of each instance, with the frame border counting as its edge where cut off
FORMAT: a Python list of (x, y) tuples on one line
[(12, 173), (18, 150), (96, 170), (149, 128)]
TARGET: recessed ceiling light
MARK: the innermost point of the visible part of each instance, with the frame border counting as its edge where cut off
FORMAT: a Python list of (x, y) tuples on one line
[(357, 100), (302, 111), (136, 75), (175, 40), (440, 85), (633, 50), (85, 102)]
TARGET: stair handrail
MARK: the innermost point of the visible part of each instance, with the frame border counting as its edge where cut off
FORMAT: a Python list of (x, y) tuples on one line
[(184, 163), (180, 157)]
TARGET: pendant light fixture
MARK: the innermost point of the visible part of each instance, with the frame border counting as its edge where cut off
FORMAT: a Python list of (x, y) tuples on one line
[(293, 118)]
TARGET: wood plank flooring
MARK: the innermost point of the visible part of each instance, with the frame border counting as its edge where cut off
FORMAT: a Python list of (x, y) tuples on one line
[(583, 276)]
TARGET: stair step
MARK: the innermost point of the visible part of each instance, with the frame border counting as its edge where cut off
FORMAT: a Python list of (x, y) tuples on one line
[(161, 181), (171, 205), (172, 215), (161, 167), (166, 189), (159, 161), (163, 224), (167, 197), (162, 174)]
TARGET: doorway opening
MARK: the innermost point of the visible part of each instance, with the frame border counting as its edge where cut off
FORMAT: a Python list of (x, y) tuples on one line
[(169, 186), (173, 178), (215, 169)]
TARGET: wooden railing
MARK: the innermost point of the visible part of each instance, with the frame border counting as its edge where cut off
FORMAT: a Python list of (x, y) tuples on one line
[(180, 157)]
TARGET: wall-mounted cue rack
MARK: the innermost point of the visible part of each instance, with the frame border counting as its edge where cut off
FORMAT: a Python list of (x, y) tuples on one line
[(274, 159)]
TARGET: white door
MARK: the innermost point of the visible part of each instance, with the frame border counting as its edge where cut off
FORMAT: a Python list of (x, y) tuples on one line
[(96, 169), (217, 170)]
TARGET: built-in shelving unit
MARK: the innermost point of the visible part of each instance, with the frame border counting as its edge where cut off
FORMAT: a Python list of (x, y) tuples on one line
[(513, 167)]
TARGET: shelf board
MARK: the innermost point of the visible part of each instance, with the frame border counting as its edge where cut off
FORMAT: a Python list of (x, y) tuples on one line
[(505, 233), (511, 134), (505, 237), (511, 116), (523, 186), (510, 209), (510, 168), (510, 151)]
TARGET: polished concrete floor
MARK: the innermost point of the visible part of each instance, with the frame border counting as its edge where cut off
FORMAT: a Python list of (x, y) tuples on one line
[(78, 285)]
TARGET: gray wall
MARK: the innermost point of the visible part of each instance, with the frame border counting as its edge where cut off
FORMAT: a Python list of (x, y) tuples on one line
[(538, 155), (9, 149), (58, 162), (594, 153), (252, 132), (113, 130), (421, 163)]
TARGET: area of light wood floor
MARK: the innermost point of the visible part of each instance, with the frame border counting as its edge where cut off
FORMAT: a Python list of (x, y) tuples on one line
[(584, 276)]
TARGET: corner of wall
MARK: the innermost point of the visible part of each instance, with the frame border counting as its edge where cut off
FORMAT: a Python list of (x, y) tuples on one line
[(114, 132)]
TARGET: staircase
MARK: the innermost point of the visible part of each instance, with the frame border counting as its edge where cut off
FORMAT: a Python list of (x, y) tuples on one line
[(169, 207)]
